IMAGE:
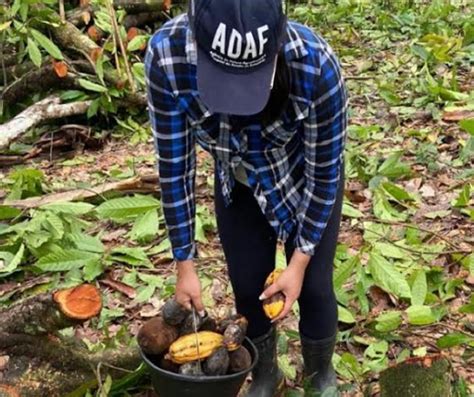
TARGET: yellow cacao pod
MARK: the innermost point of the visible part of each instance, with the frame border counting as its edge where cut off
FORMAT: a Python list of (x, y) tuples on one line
[(274, 305), (195, 346)]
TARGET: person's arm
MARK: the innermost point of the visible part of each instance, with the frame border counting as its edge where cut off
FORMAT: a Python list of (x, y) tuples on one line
[(174, 144), (324, 138)]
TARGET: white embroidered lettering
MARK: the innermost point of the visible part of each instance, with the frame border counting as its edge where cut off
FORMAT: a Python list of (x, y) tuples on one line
[(235, 45), (219, 38), (263, 40), (251, 47)]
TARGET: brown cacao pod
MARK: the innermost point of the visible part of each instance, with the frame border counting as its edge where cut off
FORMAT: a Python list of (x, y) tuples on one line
[(174, 313), (155, 336), (240, 360), (233, 337), (169, 365), (195, 346), (218, 363)]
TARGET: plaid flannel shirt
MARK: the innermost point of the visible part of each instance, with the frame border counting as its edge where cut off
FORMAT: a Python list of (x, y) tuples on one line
[(293, 164)]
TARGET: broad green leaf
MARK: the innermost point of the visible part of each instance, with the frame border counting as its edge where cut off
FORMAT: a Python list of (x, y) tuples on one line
[(420, 315), (164, 246), (92, 270), (344, 271), (288, 369), (464, 197), (145, 293), (145, 226), (34, 53), (387, 276), (137, 43), (8, 262), (55, 225), (5, 25), (349, 211), (64, 260), (384, 210), (397, 192), (7, 212), (393, 167), (51, 48), (345, 316), (69, 207), (390, 250), (388, 321), (132, 256), (89, 85), (453, 339), (419, 289), (127, 207), (468, 126), (85, 242)]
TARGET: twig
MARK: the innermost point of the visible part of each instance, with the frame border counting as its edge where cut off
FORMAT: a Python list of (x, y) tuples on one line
[(113, 17), (62, 14)]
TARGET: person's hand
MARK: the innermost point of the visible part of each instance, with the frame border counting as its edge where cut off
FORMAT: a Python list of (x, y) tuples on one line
[(188, 287), (289, 283)]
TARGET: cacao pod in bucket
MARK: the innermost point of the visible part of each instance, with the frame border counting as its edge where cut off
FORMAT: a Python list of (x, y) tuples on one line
[(171, 384)]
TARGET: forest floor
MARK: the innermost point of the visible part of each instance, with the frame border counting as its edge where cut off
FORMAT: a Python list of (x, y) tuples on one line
[(404, 270)]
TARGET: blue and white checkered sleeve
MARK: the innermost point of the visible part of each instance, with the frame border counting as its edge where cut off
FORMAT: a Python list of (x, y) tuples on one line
[(324, 140), (176, 157)]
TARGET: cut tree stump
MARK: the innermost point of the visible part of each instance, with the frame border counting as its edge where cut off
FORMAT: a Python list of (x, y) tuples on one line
[(417, 377), (38, 361)]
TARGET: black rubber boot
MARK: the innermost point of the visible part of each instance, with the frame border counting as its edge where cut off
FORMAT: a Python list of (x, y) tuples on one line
[(267, 379), (317, 355)]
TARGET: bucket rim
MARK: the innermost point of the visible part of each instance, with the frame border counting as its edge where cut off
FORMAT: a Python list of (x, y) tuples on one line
[(204, 379)]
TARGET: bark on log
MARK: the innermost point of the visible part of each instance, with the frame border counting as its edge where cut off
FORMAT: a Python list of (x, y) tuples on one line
[(39, 363), (48, 108), (137, 6), (37, 80), (418, 377), (141, 184)]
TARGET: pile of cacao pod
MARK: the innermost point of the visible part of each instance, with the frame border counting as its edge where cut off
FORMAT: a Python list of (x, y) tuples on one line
[(215, 349)]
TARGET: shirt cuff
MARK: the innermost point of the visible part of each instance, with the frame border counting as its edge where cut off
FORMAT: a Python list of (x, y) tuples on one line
[(184, 253), (304, 246)]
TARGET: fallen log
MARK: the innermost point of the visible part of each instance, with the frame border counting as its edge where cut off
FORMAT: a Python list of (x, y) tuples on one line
[(137, 6), (46, 109), (38, 362), (417, 377), (139, 184)]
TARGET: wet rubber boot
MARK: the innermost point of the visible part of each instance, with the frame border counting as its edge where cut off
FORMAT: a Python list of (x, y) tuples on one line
[(267, 379), (317, 356)]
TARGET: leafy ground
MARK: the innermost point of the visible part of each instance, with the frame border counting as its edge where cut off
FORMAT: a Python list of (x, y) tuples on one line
[(405, 267)]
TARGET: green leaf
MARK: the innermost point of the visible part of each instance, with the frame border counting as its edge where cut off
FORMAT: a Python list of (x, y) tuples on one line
[(51, 48), (390, 250), (7, 212), (349, 211), (64, 260), (345, 316), (89, 85), (387, 276), (145, 294), (464, 197), (84, 242), (343, 272), (34, 53), (419, 289), (393, 167), (397, 192), (164, 246), (145, 227), (5, 25), (420, 315), (454, 339), (132, 256), (288, 369), (92, 270), (69, 207), (384, 210), (127, 207), (137, 43), (388, 321), (468, 126)]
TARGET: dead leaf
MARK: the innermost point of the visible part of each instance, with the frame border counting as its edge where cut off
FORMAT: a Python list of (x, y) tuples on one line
[(4, 362), (458, 115), (94, 33), (427, 191), (95, 54), (132, 33)]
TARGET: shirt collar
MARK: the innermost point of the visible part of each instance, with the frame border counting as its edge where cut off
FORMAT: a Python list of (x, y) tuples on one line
[(293, 45)]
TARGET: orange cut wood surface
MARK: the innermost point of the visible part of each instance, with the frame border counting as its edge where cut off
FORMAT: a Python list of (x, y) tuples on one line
[(81, 302)]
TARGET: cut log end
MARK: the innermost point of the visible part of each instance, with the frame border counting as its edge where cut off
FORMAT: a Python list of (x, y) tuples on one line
[(8, 391), (80, 303)]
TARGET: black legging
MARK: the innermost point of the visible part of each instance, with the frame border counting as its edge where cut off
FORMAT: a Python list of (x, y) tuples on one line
[(249, 244)]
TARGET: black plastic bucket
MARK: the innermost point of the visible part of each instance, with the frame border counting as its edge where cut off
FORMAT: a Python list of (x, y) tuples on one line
[(170, 384)]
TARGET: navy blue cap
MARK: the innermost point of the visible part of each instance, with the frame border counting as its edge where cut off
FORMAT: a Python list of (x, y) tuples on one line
[(237, 46)]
